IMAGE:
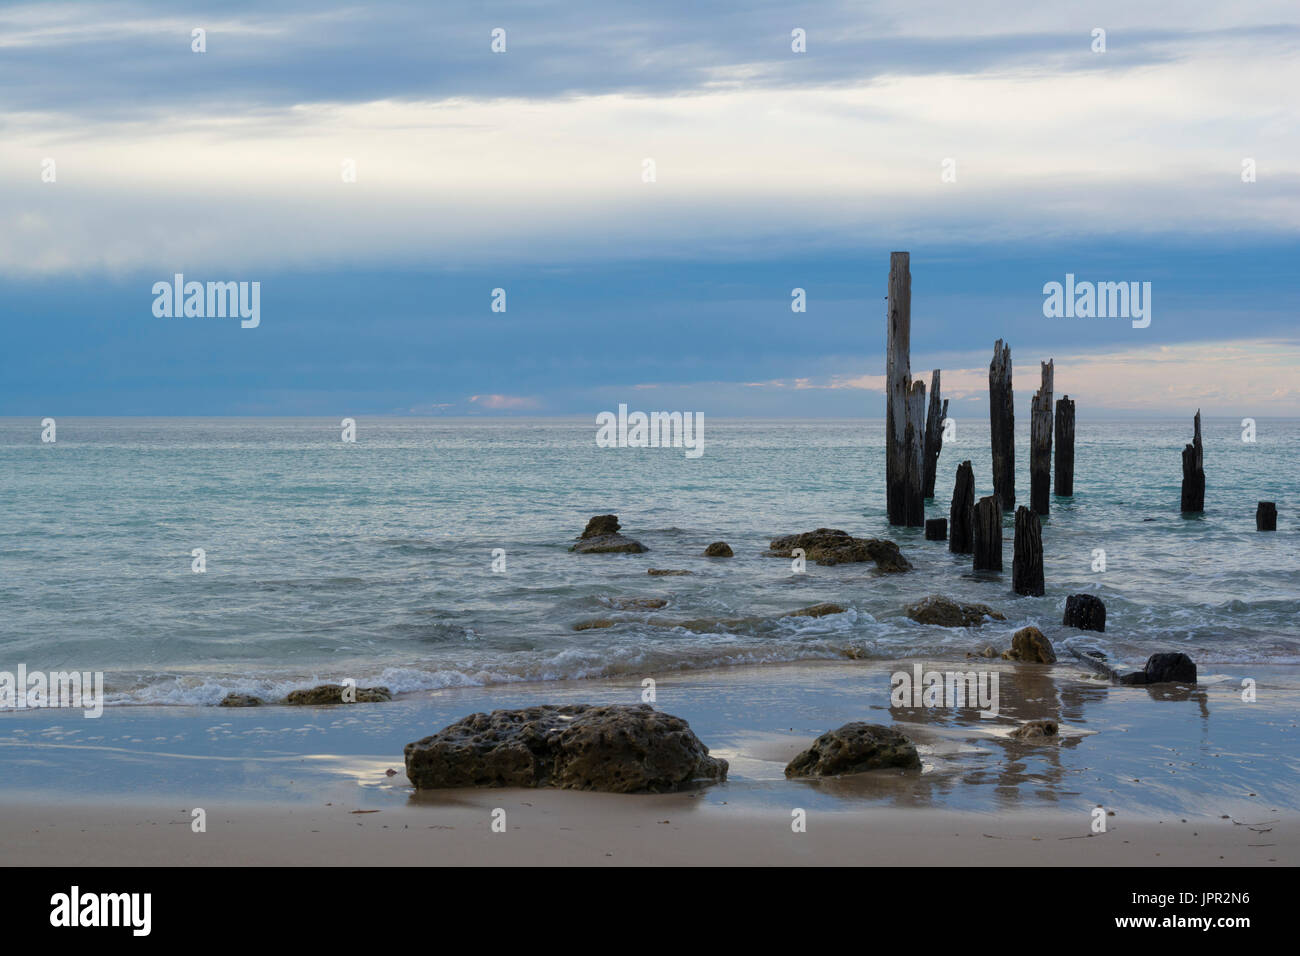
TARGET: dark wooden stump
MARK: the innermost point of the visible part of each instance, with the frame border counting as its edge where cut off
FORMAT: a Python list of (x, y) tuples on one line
[(962, 512), (936, 529), (933, 435), (1085, 611), (1065, 446), (904, 405), (1266, 516), (1027, 561), (1194, 471), (987, 537), (1002, 426), (1040, 444)]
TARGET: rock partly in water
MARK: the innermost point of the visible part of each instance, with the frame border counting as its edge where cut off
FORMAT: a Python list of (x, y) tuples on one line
[(639, 604), (598, 623), (616, 748), (1085, 611), (816, 610), (665, 572), (831, 546), (719, 549), (1164, 668), (946, 612), (334, 694), (1036, 728), (853, 748), (1029, 644), (241, 700), (601, 537)]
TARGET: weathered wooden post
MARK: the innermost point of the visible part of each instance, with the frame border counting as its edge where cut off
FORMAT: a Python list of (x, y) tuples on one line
[(1194, 471), (905, 405), (933, 434), (1040, 444), (987, 534), (962, 512), (1002, 426), (1027, 561), (1065, 446), (1266, 516), (936, 529)]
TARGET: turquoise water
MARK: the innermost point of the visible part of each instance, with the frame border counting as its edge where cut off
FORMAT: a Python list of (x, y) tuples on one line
[(373, 560)]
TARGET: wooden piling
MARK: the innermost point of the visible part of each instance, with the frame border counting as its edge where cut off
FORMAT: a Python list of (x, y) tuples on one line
[(987, 534), (933, 434), (1040, 444), (1266, 516), (905, 405), (1027, 561), (1194, 471), (962, 512), (936, 529), (1002, 426), (1064, 446)]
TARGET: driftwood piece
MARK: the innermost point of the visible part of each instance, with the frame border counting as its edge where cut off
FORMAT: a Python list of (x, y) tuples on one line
[(1002, 426), (1194, 471), (987, 528), (1064, 446), (1266, 516), (962, 512), (904, 405), (1040, 444), (933, 435), (1027, 560)]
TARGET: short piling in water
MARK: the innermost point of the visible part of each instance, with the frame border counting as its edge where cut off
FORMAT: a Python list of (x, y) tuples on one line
[(1194, 471), (1040, 444), (1266, 516), (1027, 561), (987, 535), (1002, 426), (933, 435), (936, 529), (1064, 446), (962, 512), (1085, 611), (904, 405)]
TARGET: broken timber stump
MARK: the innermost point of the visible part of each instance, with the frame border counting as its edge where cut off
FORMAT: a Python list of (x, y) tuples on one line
[(1194, 471), (1065, 446), (1027, 562), (904, 405), (962, 512), (987, 534), (933, 435), (1002, 426), (936, 529), (1040, 444), (1266, 516)]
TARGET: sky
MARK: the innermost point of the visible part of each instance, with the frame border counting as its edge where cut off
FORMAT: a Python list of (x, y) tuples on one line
[(995, 142)]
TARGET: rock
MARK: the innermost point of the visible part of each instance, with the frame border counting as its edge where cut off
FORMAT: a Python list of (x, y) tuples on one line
[(853, 748), (719, 549), (617, 748), (241, 700), (669, 572), (1164, 668), (987, 652), (1030, 645), (639, 604), (817, 610), (333, 694), (593, 625), (1036, 728), (1086, 612), (831, 546), (946, 612), (601, 537)]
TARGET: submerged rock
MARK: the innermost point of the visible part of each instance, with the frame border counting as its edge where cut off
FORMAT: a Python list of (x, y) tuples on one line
[(1036, 728), (832, 546), (1164, 668), (816, 610), (853, 748), (601, 537), (241, 700), (669, 572), (719, 549), (616, 748), (1030, 645), (593, 625), (333, 694), (946, 612), (1085, 611), (639, 604)]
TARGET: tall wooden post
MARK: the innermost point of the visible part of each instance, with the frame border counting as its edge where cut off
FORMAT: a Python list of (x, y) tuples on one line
[(1040, 444), (1065, 446), (1194, 471), (933, 434), (987, 537), (904, 405), (1002, 426), (1027, 560), (962, 512)]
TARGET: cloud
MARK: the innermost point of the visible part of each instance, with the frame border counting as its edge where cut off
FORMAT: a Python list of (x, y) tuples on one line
[(504, 402)]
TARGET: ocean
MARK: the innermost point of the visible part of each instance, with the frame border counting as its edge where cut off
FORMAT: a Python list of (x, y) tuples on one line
[(373, 560)]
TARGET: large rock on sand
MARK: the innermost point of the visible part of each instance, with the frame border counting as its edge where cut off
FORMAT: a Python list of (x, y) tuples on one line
[(854, 748), (617, 748), (946, 612), (1164, 668), (832, 546), (1029, 644), (601, 537), (334, 694)]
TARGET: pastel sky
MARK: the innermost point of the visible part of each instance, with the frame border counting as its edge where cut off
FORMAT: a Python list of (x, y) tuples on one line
[(523, 170)]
